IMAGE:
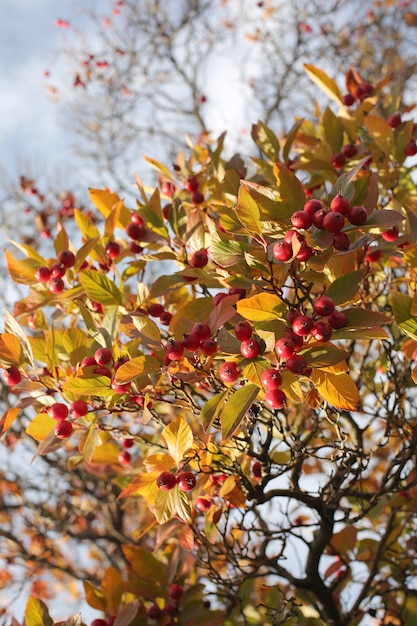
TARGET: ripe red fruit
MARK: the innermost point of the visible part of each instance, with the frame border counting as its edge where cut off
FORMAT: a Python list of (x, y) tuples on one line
[(186, 481), (175, 591), (12, 376), (190, 342), (124, 457), (67, 258), (391, 234), (88, 361), (338, 160), (301, 219), (155, 309), (218, 298), (348, 99), (120, 387), (78, 408), (341, 242), (304, 253), (102, 356), (411, 148), (165, 318), (201, 330), (357, 215), (339, 204), (250, 348), (257, 469), (55, 285), (337, 320), (243, 330), (323, 306), (102, 370), (42, 274), (98, 622), (127, 443), (302, 325), (154, 612), (135, 248), (296, 339), (282, 251), (322, 331), (135, 231), (318, 218), (275, 399), (373, 256), (63, 429), (312, 206), (113, 249), (394, 120), (296, 364), (58, 270), (197, 197), (165, 210), (288, 238), (208, 346), (292, 315), (58, 411), (199, 258), (333, 222), (285, 347), (167, 188), (202, 504), (349, 150), (174, 350), (271, 379), (228, 372), (191, 184), (166, 481)]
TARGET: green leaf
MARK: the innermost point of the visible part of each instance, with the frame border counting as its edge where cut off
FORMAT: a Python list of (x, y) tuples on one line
[(152, 215), (266, 140), (333, 130), (138, 366), (261, 307), (36, 613), (345, 287), (401, 306), (326, 84), (100, 288), (323, 354), (269, 205), (228, 253), (364, 318), (210, 410), (235, 408), (145, 564)]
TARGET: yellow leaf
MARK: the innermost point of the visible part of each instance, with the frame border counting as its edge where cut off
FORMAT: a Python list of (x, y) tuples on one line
[(104, 200), (8, 418), (326, 84), (10, 350), (41, 425), (337, 389), (106, 453), (260, 308), (143, 485), (160, 462), (248, 212), (136, 367), (179, 438)]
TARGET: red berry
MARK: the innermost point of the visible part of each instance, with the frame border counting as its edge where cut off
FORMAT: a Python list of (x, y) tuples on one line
[(121, 387), (102, 370), (337, 320), (167, 188), (127, 443), (318, 218), (275, 399), (174, 350), (58, 270), (199, 258), (411, 148), (257, 469), (288, 238), (243, 330), (228, 372), (203, 504), (391, 234), (201, 330), (67, 258), (124, 457), (341, 242), (186, 481), (190, 342), (304, 253), (282, 251), (296, 364), (63, 429), (155, 309), (349, 150), (312, 206), (135, 231), (154, 612), (208, 346), (78, 408), (394, 120), (113, 249), (58, 411), (98, 622), (271, 379), (357, 215), (338, 160), (322, 331), (333, 222), (102, 356), (323, 306), (218, 298), (373, 255), (339, 204), (301, 219), (42, 274), (302, 325), (175, 591), (55, 285), (197, 197), (292, 315), (166, 481), (348, 99), (191, 184), (136, 219), (165, 210), (285, 347), (250, 348), (88, 361), (12, 376), (165, 318), (135, 248)]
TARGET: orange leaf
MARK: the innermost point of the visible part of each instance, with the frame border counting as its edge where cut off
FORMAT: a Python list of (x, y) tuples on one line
[(337, 389)]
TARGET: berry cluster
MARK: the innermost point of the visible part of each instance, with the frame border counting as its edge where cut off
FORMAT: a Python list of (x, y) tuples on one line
[(53, 275), (199, 339), (186, 481)]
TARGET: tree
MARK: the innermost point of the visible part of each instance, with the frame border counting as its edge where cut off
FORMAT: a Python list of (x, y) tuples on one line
[(232, 442)]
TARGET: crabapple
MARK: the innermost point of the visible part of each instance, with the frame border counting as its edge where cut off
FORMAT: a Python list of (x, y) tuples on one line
[(338, 160), (357, 215), (243, 330), (58, 411), (63, 429), (301, 219), (42, 274), (124, 457), (285, 347), (302, 325), (67, 258), (174, 350), (186, 481), (155, 309), (228, 372), (201, 331), (12, 376), (321, 331), (55, 285), (337, 320), (275, 399), (339, 204), (78, 408), (333, 222), (103, 356), (394, 120), (341, 242), (282, 251), (271, 379), (166, 481), (391, 234), (296, 364), (113, 249), (312, 206), (250, 348), (208, 346), (199, 258), (323, 306)]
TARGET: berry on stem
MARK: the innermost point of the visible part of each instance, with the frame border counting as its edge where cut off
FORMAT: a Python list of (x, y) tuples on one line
[(285, 347), (12, 376), (186, 481), (323, 306), (243, 330), (103, 356), (250, 348), (228, 372), (275, 399), (63, 429), (166, 481)]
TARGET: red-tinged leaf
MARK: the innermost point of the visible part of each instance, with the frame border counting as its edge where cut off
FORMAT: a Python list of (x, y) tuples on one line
[(8, 418), (364, 318), (211, 409), (100, 288), (323, 354), (172, 503), (383, 219), (145, 564), (143, 485), (159, 462), (127, 614), (235, 408), (222, 313), (179, 438), (36, 613), (88, 386), (21, 270), (112, 587), (41, 426), (261, 307), (322, 80), (186, 539), (345, 287), (339, 390), (248, 212), (344, 541), (138, 366)]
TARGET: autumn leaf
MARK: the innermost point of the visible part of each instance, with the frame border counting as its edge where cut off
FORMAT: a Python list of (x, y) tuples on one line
[(339, 390)]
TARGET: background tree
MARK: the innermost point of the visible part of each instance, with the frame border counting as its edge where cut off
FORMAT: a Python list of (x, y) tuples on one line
[(235, 439)]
